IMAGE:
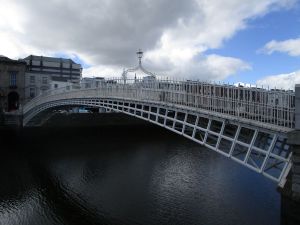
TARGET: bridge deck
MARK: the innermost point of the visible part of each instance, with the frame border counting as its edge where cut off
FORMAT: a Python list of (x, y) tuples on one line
[(243, 124)]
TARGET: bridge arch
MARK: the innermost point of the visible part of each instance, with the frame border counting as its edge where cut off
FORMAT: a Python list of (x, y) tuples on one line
[(260, 149)]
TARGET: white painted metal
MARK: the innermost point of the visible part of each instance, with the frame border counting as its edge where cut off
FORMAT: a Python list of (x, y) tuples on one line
[(251, 111), (260, 110)]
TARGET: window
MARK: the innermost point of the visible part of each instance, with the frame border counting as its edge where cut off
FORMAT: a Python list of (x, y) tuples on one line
[(32, 92), (32, 79), (13, 78), (45, 80)]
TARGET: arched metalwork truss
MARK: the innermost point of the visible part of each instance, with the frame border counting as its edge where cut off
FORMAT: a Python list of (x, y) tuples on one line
[(261, 150), (243, 124)]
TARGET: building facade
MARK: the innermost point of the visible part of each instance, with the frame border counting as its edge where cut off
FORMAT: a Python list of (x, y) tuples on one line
[(12, 83), (57, 68), (57, 84), (92, 82), (36, 84)]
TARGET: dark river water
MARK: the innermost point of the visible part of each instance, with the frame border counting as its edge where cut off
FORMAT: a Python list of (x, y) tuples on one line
[(126, 174)]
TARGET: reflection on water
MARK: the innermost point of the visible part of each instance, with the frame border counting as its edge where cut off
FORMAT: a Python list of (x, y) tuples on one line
[(126, 175)]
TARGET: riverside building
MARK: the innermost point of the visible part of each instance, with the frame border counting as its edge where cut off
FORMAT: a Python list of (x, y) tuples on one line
[(36, 84), (12, 83), (64, 70)]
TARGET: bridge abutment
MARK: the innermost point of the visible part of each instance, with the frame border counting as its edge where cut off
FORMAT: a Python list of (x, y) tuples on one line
[(294, 141), (11, 120), (290, 194)]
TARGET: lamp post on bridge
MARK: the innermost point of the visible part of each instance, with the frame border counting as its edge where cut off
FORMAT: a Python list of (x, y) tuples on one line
[(140, 56), (140, 67)]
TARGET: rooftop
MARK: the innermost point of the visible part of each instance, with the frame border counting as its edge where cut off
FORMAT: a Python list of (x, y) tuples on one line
[(49, 59), (4, 59)]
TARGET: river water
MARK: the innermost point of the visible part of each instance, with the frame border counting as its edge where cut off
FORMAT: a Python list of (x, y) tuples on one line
[(125, 174)]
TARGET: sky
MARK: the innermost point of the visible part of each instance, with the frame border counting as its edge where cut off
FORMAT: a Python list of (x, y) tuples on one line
[(252, 41)]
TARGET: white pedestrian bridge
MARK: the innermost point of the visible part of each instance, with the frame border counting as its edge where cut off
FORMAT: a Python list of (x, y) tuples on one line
[(247, 124)]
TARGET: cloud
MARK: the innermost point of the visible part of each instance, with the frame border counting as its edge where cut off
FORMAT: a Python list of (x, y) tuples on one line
[(284, 81), (208, 67), (291, 47), (93, 71), (174, 34)]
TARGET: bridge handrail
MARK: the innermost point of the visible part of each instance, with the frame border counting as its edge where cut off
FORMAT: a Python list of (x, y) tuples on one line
[(275, 107)]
